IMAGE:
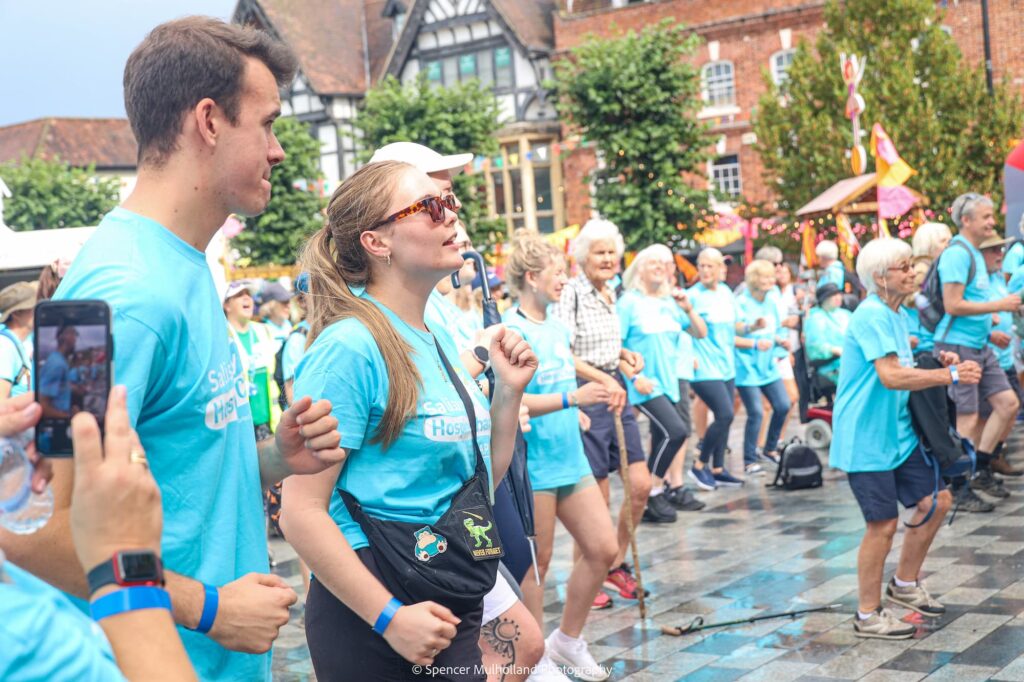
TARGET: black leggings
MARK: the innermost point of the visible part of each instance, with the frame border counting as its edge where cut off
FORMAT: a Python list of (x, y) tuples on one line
[(718, 396), (342, 646), (668, 433)]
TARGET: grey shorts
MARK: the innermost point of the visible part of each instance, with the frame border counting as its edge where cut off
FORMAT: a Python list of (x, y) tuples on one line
[(968, 399)]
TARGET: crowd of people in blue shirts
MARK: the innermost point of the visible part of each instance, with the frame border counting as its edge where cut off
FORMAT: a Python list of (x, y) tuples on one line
[(377, 429)]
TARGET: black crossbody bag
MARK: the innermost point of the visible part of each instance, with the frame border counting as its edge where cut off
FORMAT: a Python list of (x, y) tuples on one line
[(452, 562)]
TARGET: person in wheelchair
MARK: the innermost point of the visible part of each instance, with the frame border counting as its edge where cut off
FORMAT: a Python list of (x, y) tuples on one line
[(824, 332)]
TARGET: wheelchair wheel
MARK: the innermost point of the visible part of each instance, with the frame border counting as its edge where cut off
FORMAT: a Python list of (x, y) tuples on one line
[(818, 434)]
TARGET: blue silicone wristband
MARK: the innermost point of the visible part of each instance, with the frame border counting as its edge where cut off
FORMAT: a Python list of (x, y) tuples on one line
[(565, 400), (955, 373), (210, 604), (130, 599), (384, 619)]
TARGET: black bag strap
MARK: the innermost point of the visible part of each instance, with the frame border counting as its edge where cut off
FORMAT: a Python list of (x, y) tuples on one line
[(935, 491), (971, 272), (467, 402)]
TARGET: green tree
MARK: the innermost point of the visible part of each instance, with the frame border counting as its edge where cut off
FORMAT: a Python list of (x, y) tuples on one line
[(295, 208), (454, 120), (934, 106), (637, 99), (50, 193)]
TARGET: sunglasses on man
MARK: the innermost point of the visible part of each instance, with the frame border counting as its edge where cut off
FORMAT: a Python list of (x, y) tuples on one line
[(434, 206)]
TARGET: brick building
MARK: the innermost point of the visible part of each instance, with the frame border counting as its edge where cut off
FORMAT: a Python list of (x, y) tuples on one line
[(742, 40)]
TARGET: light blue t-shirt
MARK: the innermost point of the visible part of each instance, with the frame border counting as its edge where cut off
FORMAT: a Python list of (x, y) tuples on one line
[(554, 444), (998, 290), (715, 357), (755, 367), (954, 266), (834, 273), (823, 331), (460, 324), (43, 636), (294, 348), (416, 478), (925, 338), (188, 401), (651, 326), (278, 332), (871, 427), (684, 358), (15, 362), (1013, 258), (55, 379), (1016, 283)]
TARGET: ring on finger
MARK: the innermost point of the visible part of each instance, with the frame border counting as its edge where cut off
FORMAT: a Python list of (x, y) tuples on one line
[(433, 653), (137, 456)]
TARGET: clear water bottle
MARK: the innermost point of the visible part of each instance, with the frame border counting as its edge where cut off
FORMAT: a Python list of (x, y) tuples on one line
[(21, 510)]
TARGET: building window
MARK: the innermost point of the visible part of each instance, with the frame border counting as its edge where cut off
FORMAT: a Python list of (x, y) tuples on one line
[(492, 67), (780, 63), (718, 84), (725, 175), (523, 183)]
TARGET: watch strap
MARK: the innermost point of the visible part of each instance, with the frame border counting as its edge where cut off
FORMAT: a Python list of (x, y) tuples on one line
[(106, 574)]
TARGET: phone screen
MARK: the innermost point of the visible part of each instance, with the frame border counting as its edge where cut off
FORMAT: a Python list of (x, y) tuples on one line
[(72, 372)]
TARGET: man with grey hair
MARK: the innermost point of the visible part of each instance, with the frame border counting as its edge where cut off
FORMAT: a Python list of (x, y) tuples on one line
[(965, 330)]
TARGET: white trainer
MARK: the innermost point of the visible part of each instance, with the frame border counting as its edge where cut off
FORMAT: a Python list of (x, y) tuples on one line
[(575, 655), (547, 671)]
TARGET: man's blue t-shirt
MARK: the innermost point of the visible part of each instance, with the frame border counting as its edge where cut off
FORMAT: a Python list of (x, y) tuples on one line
[(871, 424), (651, 326), (997, 291), (15, 362), (43, 636), (55, 380), (294, 348), (416, 478), (835, 273), (755, 367), (1014, 258), (187, 400), (716, 357), (554, 443), (954, 266)]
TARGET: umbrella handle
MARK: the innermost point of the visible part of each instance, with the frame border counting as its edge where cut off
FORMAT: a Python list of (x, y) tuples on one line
[(481, 268)]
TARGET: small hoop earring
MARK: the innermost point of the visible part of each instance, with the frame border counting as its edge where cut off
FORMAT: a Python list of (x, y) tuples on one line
[(388, 257)]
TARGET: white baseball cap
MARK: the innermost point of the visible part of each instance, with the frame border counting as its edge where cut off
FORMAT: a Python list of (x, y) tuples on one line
[(423, 158)]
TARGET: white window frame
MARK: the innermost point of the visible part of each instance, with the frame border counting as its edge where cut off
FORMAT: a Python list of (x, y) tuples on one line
[(780, 75), (723, 175), (713, 98)]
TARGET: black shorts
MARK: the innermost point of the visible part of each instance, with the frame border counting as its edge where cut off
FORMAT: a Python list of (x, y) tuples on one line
[(344, 648), (600, 443), (878, 491)]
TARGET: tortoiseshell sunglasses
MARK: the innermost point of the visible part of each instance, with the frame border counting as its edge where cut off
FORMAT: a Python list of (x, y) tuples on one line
[(435, 206)]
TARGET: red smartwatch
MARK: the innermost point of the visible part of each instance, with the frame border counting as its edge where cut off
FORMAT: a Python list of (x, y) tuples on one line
[(131, 568)]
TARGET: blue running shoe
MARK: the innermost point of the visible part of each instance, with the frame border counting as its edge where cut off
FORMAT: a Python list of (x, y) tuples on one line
[(724, 478), (703, 478)]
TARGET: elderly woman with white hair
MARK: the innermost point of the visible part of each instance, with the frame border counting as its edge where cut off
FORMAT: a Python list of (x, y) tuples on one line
[(875, 443), (715, 374), (652, 317), (828, 260), (587, 308), (759, 332)]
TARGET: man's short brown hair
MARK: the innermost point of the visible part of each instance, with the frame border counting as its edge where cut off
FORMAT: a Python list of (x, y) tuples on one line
[(184, 61)]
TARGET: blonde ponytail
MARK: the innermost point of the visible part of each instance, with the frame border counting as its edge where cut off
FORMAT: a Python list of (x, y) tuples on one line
[(530, 253), (336, 261)]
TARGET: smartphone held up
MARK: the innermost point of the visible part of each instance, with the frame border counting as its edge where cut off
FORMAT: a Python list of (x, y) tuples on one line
[(73, 350)]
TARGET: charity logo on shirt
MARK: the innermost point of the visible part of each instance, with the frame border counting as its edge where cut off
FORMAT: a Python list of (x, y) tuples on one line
[(230, 390), (566, 369), (445, 420)]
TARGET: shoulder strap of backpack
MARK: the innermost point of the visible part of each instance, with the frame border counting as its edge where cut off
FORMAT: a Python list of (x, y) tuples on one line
[(17, 345), (972, 270)]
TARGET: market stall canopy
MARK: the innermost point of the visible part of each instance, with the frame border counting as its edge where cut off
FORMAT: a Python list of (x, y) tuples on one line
[(35, 248), (856, 195)]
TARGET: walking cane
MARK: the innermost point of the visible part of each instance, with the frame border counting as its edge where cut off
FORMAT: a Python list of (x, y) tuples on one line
[(624, 469)]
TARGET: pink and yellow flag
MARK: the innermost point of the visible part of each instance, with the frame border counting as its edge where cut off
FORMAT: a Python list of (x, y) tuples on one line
[(893, 198)]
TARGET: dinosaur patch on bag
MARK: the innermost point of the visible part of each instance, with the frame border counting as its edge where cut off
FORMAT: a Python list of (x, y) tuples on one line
[(481, 535)]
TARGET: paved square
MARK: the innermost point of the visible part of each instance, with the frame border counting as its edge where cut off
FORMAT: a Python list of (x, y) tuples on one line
[(757, 551)]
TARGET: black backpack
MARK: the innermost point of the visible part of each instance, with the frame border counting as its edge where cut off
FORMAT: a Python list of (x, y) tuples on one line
[(930, 309), (799, 467), (279, 366)]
